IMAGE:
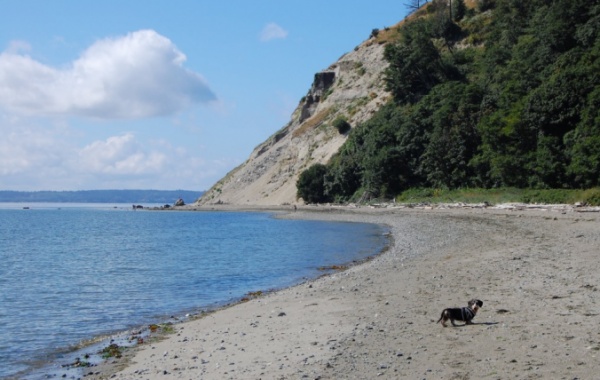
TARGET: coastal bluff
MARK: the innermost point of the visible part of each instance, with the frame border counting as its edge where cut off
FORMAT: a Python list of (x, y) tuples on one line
[(352, 88)]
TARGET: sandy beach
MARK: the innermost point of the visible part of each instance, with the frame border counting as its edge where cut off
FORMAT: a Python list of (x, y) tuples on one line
[(536, 272)]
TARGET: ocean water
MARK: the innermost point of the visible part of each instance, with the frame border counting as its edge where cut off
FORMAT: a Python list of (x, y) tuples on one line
[(69, 273)]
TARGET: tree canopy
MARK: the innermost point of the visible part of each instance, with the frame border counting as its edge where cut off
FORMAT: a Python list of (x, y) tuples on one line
[(507, 94)]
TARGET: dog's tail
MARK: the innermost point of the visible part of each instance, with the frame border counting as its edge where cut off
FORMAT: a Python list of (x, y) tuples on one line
[(441, 317)]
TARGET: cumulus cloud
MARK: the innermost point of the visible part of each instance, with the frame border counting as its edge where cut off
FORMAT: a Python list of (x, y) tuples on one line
[(33, 156), (272, 31), (133, 76), (26, 148), (120, 155), (50, 157), (123, 161)]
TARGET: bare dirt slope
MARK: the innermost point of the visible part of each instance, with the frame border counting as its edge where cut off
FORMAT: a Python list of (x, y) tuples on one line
[(352, 88)]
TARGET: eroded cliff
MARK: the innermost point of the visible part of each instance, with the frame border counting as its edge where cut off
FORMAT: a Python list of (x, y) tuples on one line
[(353, 88)]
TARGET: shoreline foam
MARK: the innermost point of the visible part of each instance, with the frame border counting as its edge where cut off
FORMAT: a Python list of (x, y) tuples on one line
[(535, 271)]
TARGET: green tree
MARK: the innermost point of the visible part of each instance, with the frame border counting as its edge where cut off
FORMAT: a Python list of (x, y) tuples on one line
[(342, 125), (520, 108), (459, 9), (310, 185), (343, 178), (584, 141), (453, 141), (416, 65), (484, 5)]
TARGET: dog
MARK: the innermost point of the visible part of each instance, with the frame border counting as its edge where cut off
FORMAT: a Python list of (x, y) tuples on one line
[(465, 314)]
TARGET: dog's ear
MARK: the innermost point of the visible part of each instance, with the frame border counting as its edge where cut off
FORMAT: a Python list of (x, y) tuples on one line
[(471, 302), (479, 303)]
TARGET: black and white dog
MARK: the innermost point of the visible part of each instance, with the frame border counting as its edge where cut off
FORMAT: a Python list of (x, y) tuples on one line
[(465, 314)]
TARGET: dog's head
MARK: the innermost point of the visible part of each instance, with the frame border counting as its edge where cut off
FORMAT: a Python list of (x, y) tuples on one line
[(475, 304)]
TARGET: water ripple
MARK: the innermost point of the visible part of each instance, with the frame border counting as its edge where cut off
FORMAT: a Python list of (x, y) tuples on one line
[(71, 274)]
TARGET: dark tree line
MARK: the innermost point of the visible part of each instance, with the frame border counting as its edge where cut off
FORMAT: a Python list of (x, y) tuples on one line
[(517, 104)]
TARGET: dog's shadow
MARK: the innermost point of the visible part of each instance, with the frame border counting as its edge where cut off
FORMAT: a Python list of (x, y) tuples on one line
[(479, 323)]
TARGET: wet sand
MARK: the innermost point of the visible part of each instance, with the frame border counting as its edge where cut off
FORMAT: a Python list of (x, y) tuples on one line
[(536, 272)]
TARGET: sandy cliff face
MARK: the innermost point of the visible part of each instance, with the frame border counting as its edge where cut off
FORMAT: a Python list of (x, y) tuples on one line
[(353, 87)]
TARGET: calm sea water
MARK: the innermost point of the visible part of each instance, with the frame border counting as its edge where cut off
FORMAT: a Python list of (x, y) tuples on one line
[(69, 273)]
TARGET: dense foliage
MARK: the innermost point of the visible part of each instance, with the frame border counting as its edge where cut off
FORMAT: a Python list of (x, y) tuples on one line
[(503, 95), (310, 184)]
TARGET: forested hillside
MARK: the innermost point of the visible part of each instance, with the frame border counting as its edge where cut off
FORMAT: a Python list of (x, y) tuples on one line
[(503, 93)]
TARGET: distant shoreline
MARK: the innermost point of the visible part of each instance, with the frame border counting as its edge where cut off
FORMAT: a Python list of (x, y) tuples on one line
[(101, 196)]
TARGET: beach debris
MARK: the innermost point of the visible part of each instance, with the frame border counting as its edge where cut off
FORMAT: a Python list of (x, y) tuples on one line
[(111, 351), (165, 328), (251, 295), (333, 267), (78, 363), (136, 336)]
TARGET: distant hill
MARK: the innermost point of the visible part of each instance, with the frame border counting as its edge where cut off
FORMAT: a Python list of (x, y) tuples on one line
[(101, 196)]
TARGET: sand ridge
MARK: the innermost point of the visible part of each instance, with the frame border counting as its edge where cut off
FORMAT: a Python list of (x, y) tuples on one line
[(536, 272)]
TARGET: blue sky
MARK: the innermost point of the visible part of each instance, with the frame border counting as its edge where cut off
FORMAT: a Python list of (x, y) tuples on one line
[(159, 94)]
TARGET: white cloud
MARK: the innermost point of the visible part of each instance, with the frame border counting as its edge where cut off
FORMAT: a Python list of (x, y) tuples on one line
[(120, 155), (31, 154), (18, 46), (25, 146), (37, 155), (126, 162), (134, 76), (272, 31)]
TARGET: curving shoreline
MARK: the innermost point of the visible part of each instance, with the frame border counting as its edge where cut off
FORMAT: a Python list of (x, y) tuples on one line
[(536, 272)]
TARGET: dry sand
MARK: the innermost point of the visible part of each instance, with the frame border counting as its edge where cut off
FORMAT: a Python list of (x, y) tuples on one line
[(536, 272)]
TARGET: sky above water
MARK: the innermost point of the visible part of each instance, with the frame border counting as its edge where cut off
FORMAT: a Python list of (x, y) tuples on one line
[(159, 94)]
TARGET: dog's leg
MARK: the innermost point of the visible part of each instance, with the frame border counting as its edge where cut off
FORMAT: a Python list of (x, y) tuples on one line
[(442, 319)]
